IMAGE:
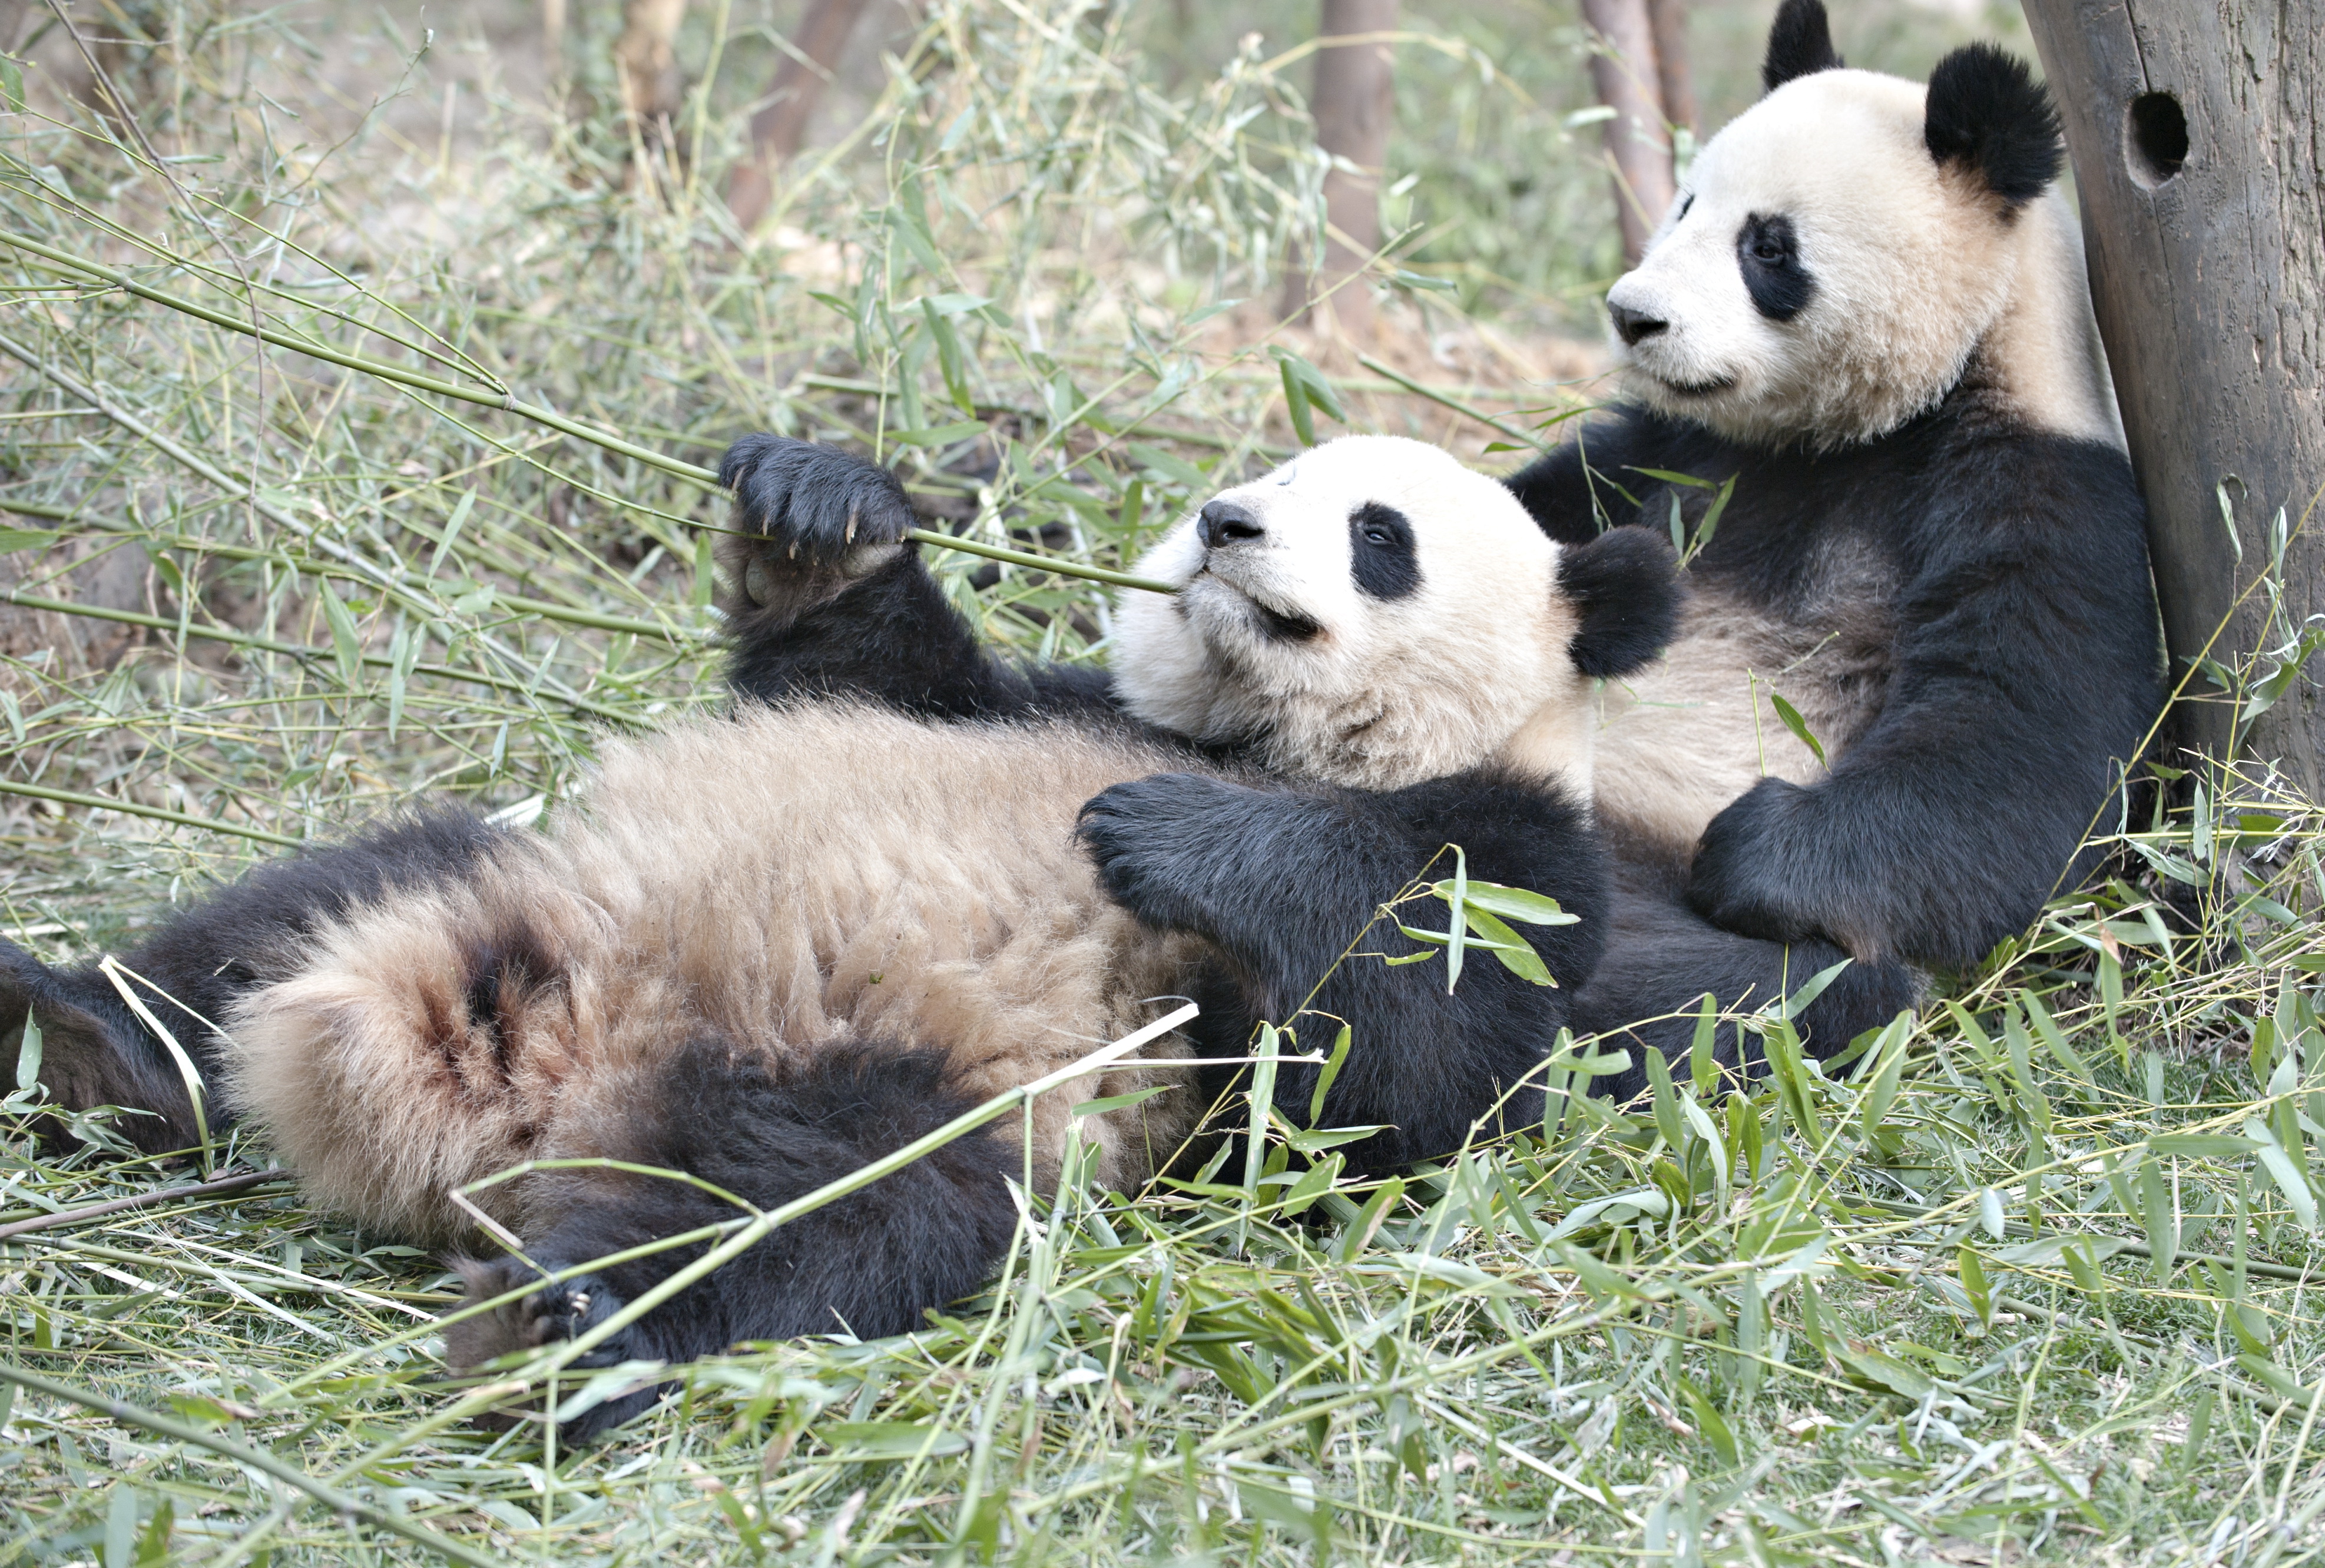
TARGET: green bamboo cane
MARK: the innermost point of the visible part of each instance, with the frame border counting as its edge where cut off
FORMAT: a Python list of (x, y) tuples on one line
[(509, 403)]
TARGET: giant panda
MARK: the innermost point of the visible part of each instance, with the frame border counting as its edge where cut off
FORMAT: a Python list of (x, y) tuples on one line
[(766, 949), (1866, 308)]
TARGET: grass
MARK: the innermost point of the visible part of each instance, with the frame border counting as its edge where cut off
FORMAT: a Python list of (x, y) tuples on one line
[(2027, 1277)]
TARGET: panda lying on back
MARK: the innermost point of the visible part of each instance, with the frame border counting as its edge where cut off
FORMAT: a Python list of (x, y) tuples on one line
[(766, 950), (1867, 307)]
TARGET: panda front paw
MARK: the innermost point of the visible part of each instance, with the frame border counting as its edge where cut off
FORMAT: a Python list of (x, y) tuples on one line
[(1742, 875), (1158, 843), (802, 507)]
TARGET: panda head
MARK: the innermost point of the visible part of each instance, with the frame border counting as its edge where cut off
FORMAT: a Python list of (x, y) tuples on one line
[(1373, 613), (1841, 251)]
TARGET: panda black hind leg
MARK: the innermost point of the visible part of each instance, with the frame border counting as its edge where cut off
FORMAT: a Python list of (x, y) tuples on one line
[(1662, 957), (871, 1264), (200, 961), (827, 596)]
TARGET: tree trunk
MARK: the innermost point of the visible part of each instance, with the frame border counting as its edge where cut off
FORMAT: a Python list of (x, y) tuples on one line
[(645, 60), (1623, 70), (779, 125), (1355, 105), (2195, 136), (1667, 20)]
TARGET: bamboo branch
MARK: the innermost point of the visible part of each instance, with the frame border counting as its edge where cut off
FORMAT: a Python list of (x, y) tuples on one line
[(294, 650), (241, 1182), (508, 404), (158, 813)]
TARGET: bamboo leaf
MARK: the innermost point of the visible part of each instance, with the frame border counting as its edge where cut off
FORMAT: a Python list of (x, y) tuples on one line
[(1793, 720), (1330, 1074), (346, 641)]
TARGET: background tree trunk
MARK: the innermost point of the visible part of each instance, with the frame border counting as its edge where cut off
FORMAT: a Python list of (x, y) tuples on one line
[(1355, 105), (779, 125), (2195, 136), (1624, 70), (1667, 20), (645, 60)]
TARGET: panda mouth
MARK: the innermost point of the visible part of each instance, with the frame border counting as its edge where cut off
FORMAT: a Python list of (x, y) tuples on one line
[(1697, 389), (1273, 625), (1280, 627)]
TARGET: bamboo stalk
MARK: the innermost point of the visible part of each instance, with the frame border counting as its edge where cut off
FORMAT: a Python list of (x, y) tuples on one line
[(367, 570), (241, 1182), (158, 813), (295, 650), (508, 404), (1445, 400), (345, 1504)]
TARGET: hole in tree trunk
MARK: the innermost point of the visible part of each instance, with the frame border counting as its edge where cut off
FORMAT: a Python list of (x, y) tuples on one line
[(2156, 138)]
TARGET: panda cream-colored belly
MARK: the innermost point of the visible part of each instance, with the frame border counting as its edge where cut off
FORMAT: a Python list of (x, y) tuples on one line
[(790, 879), (1680, 739)]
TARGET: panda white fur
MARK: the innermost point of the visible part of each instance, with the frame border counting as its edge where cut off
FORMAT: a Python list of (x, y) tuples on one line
[(1865, 308), (765, 949)]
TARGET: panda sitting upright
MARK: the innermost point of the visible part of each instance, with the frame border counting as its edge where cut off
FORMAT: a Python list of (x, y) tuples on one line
[(1867, 309), (763, 950)]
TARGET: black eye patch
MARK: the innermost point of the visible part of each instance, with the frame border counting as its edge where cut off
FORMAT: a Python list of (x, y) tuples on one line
[(1380, 552), (1769, 252)]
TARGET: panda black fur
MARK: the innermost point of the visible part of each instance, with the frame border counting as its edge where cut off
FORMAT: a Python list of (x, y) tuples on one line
[(766, 949), (1868, 305)]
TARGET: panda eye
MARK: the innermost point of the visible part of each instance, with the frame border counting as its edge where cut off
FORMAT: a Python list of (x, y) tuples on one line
[(1380, 536)]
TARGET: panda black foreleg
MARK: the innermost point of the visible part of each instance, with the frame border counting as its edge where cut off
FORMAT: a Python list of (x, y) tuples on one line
[(872, 1263), (1284, 880), (827, 596)]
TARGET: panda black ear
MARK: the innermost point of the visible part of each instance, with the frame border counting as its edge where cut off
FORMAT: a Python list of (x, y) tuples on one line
[(1988, 114), (1799, 44), (1625, 587)]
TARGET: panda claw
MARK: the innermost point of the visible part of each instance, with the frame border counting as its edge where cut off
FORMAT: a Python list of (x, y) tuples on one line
[(817, 502), (561, 1310)]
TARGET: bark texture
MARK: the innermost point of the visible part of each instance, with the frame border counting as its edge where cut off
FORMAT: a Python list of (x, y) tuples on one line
[(1668, 21), (645, 58), (1628, 81), (2196, 140), (779, 125), (1355, 105)]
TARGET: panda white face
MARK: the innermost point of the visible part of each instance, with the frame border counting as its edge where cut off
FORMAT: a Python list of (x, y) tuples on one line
[(1372, 613), (1825, 275)]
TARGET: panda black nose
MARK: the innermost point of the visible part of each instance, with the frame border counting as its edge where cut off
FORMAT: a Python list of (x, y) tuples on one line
[(1633, 325), (1225, 523)]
